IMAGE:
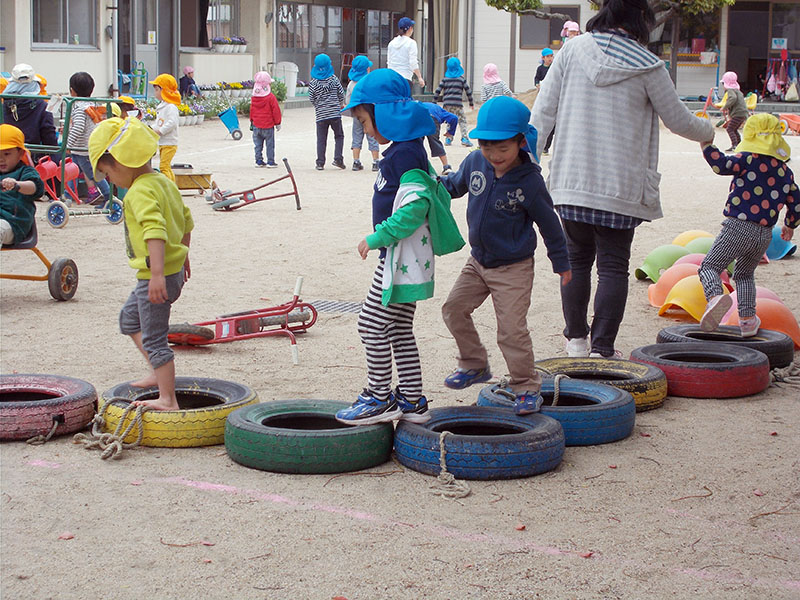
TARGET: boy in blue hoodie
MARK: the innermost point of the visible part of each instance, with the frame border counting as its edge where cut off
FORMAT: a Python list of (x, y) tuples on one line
[(507, 195), (412, 221)]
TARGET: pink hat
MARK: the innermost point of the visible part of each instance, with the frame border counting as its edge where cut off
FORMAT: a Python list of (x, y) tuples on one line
[(262, 84), (570, 26), (490, 73), (730, 80), (187, 69)]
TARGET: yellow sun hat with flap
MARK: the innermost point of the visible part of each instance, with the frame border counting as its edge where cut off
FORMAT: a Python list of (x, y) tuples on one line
[(129, 141), (761, 134)]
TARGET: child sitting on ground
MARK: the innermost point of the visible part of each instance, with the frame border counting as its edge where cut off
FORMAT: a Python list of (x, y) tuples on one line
[(360, 67), (762, 185), (451, 90), (81, 125), (507, 195), (158, 229), (326, 93), (412, 220), (265, 118), (166, 123), (439, 116), (20, 185)]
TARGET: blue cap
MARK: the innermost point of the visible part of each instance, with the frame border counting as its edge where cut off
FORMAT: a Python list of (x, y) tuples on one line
[(405, 23), (502, 118), (454, 68), (547, 52), (322, 68), (361, 64), (397, 117)]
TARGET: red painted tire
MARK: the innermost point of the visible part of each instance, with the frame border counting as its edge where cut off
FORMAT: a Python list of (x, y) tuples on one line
[(708, 369), (29, 404)]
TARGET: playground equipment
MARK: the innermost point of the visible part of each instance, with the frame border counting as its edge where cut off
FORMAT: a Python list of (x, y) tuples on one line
[(232, 200), (230, 119)]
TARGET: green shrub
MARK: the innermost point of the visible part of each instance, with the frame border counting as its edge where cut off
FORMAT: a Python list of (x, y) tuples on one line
[(279, 89)]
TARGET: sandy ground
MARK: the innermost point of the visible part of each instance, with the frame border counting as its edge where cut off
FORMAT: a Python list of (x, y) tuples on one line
[(670, 512)]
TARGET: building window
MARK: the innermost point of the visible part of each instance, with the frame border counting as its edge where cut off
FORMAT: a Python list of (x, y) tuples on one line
[(785, 27), (541, 33), (223, 18), (64, 22), (294, 25), (334, 27)]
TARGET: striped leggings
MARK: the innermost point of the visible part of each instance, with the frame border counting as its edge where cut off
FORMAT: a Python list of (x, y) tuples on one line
[(387, 329), (732, 127), (746, 242), (459, 112)]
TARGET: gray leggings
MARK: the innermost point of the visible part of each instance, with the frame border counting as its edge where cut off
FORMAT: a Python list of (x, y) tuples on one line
[(139, 314), (746, 242)]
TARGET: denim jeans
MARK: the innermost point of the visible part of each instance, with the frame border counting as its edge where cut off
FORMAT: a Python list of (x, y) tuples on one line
[(262, 137), (612, 249), (86, 168), (335, 124)]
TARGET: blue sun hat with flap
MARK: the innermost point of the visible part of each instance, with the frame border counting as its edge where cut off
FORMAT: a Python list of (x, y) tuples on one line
[(454, 68), (361, 64), (502, 118), (398, 117), (322, 68)]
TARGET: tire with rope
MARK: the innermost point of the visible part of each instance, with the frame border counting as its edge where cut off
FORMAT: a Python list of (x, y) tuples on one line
[(646, 383), (303, 436), (590, 413), (481, 443), (44, 405), (708, 369), (778, 346), (205, 405)]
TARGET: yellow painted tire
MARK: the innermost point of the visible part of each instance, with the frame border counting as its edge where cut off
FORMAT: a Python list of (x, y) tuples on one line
[(702, 114), (648, 386), (784, 126), (205, 405)]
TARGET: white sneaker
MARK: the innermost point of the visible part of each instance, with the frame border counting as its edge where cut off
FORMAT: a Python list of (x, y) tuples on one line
[(749, 327), (578, 347), (715, 310), (617, 354)]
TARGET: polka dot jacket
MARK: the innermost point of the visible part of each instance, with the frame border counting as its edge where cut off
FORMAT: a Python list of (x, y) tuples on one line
[(761, 186)]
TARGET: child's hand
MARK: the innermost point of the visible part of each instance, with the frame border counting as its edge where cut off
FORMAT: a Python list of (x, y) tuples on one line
[(157, 289), (703, 145), (187, 269), (8, 183), (786, 233), (278, 127), (363, 249), (566, 277)]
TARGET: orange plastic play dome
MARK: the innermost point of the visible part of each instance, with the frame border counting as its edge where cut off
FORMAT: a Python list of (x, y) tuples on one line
[(776, 316), (657, 292)]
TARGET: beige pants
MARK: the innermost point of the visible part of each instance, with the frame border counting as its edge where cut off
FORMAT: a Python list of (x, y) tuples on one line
[(510, 288), (167, 153), (6, 233)]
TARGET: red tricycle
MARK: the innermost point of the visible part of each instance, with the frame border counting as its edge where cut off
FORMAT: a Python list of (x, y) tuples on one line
[(228, 200)]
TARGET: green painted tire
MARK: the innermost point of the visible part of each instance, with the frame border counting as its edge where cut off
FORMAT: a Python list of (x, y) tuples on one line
[(303, 436)]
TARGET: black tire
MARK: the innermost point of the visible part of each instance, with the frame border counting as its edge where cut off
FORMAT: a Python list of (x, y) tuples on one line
[(205, 405), (236, 134), (186, 334), (708, 369), (303, 436), (485, 443), (646, 383), (225, 204), (62, 279), (778, 346), (590, 413), (30, 404)]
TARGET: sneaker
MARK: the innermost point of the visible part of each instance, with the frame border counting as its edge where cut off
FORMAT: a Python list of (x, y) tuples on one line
[(578, 347), (527, 403), (448, 141), (465, 142), (357, 166), (731, 149), (368, 410), (447, 169), (272, 165), (260, 164), (376, 166), (461, 378), (749, 327), (413, 412), (339, 164), (617, 354), (545, 153), (715, 310), (93, 195), (320, 167)]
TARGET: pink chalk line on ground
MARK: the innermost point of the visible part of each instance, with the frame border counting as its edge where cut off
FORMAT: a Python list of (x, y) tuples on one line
[(43, 463)]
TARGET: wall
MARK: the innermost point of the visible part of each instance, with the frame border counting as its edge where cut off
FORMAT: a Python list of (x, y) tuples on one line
[(210, 67)]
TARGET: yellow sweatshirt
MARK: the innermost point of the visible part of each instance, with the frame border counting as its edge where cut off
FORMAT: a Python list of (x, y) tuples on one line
[(154, 210)]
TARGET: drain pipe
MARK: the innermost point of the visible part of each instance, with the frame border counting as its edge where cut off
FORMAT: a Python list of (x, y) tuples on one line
[(471, 18), (114, 8)]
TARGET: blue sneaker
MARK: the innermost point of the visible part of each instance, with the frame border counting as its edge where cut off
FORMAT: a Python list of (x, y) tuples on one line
[(527, 403), (413, 412), (465, 142), (461, 378), (368, 410), (448, 141)]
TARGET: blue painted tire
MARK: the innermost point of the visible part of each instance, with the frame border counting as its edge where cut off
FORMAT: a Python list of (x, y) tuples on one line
[(57, 214), (485, 443), (115, 212), (590, 413)]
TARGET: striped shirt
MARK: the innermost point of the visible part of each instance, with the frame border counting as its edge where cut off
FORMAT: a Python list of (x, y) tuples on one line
[(451, 91), (327, 96), (80, 128), (616, 44), (594, 216), (490, 90)]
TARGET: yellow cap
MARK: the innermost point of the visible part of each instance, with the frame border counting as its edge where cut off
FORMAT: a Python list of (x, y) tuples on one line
[(129, 141), (42, 84), (169, 88), (3, 84), (127, 100), (12, 137), (761, 134)]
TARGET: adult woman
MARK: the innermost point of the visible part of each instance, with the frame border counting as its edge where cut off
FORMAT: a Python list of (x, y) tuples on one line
[(605, 92), (29, 115), (402, 52)]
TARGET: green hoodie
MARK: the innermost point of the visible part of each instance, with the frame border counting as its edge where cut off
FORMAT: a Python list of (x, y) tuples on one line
[(421, 226)]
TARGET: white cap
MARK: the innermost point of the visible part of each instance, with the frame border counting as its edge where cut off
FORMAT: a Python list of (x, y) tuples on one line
[(23, 73)]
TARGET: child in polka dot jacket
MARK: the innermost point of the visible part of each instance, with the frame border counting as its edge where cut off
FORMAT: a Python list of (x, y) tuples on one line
[(762, 185)]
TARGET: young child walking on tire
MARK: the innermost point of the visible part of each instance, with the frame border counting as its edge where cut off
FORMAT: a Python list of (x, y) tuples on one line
[(158, 229), (412, 221)]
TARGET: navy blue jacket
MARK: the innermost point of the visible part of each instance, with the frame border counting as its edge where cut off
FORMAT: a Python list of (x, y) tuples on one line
[(501, 212), (33, 119), (440, 116)]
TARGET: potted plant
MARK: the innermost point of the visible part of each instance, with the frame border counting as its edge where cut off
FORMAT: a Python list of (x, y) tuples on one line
[(219, 42), (199, 111), (240, 44), (236, 89), (183, 113)]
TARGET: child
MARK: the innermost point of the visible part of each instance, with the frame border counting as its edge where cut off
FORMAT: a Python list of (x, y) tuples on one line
[(570, 30), (762, 185), (166, 123), (187, 86), (439, 116), (541, 73), (506, 196), (735, 108), (126, 107), (492, 84), (412, 220), (451, 89), (81, 125), (360, 67), (20, 185), (158, 229), (265, 118), (327, 95)]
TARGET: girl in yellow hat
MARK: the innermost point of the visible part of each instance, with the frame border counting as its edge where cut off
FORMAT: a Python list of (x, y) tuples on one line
[(166, 124)]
